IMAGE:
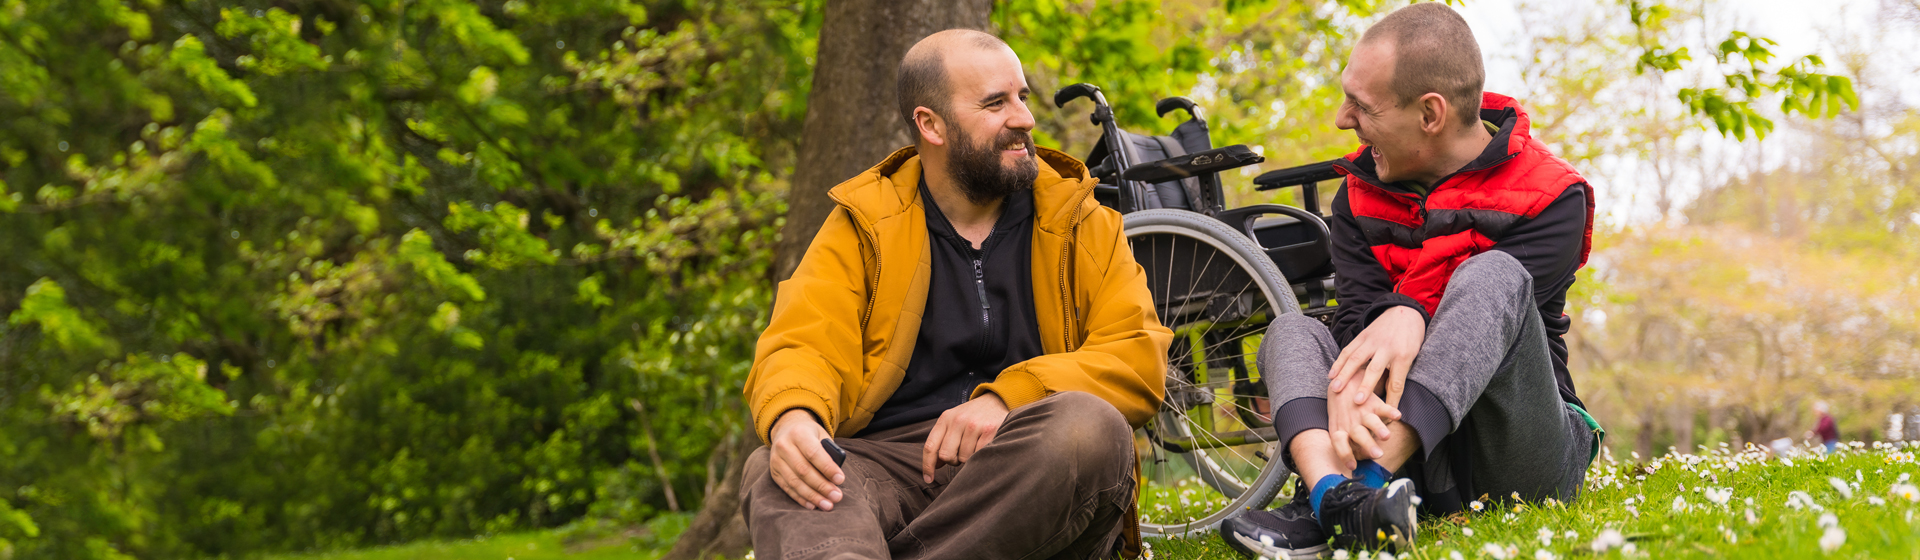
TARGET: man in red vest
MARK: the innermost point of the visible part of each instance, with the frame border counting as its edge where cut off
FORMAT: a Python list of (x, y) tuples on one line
[(1444, 376)]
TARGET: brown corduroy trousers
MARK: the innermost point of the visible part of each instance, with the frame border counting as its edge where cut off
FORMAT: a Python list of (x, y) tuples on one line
[(1056, 482)]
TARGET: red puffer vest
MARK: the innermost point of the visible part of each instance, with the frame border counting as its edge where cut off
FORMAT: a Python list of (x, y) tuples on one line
[(1421, 240)]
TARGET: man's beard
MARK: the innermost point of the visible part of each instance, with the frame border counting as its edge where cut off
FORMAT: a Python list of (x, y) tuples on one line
[(978, 170)]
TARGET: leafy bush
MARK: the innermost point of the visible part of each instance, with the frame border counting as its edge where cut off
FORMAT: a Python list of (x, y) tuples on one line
[(289, 275)]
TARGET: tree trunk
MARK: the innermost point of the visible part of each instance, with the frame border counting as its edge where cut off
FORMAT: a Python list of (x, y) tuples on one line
[(852, 122)]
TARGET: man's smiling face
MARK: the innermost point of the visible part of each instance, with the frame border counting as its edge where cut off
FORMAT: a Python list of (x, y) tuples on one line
[(991, 138), (1379, 117)]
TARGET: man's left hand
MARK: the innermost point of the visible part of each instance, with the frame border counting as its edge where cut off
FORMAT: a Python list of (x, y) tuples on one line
[(961, 431), (1386, 347)]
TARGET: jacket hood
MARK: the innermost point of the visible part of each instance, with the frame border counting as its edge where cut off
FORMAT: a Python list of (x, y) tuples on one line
[(1060, 192), (1515, 130)]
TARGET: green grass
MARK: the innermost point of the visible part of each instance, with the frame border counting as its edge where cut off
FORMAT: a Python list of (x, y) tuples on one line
[(577, 542), (1634, 498), (1637, 499)]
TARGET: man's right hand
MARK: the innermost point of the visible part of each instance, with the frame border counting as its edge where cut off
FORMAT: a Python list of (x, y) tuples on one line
[(800, 465)]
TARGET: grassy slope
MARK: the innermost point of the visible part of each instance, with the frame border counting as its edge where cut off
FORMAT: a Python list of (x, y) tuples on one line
[(1617, 497), (1638, 500)]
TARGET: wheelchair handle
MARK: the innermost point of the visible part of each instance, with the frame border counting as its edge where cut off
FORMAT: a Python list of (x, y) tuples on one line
[(1103, 115), (1179, 102)]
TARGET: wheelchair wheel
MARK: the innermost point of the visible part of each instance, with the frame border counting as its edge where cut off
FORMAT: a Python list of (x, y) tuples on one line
[(1206, 454)]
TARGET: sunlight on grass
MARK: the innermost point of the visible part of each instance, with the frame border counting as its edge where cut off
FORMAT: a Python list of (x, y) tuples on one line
[(1859, 502)]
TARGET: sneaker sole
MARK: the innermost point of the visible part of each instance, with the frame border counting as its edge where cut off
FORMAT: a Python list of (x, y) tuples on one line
[(1254, 549), (1400, 516)]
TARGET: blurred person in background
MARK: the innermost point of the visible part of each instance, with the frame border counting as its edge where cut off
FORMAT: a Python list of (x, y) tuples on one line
[(1825, 429)]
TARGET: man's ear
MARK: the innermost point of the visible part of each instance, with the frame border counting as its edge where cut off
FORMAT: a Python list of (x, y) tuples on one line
[(1436, 116), (932, 129)]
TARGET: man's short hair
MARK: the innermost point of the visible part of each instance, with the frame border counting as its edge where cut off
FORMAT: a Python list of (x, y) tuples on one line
[(921, 80), (1434, 52)]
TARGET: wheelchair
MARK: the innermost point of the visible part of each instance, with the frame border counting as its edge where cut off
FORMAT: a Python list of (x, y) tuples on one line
[(1219, 277)]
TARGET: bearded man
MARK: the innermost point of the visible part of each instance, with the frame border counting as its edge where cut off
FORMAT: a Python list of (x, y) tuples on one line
[(1444, 377), (971, 328)]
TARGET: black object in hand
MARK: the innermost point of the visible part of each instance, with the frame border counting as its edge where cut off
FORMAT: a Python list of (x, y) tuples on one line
[(833, 450)]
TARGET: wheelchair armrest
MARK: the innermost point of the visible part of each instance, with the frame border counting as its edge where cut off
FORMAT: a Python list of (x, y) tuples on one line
[(1193, 165), (1295, 176)]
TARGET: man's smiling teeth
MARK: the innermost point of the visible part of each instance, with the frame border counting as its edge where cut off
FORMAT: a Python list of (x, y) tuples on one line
[(1017, 146)]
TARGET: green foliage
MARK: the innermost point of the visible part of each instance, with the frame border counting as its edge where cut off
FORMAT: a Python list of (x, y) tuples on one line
[(300, 275), (1741, 61)]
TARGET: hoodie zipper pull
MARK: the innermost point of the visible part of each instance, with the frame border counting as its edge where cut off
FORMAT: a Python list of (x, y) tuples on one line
[(980, 286)]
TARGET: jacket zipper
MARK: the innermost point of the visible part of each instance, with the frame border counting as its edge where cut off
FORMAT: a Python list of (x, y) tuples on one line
[(980, 286), (873, 280), (1066, 259)]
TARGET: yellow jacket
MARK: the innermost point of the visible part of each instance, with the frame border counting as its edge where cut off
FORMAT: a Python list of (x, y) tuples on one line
[(844, 326)]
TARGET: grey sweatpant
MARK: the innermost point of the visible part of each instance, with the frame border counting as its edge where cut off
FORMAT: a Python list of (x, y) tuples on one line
[(1481, 395)]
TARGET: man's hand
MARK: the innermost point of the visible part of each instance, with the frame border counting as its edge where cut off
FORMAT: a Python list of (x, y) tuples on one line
[(1358, 427), (800, 465), (961, 431), (1388, 346)]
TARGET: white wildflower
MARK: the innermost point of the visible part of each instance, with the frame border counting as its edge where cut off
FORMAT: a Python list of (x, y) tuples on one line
[(1905, 476), (1628, 549), (1546, 536), (1542, 554), (1467, 530), (1801, 500), (1476, 505), (1719, 495), (1609, 539), (1841, 487), (1570, 535), (1832, 539), (1679, 504), (1903, 490), (1383, 555), (1875, 500), (1341, 555), (1497, 552), (1455, 555), (1751, 518)]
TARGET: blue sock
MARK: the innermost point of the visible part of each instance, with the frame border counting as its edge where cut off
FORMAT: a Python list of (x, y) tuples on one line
[(1320, 489), (1372, 474)]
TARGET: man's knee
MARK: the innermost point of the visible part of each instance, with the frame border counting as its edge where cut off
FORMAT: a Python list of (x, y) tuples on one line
[(1086, 431), (1495, 271), (1295, 327)]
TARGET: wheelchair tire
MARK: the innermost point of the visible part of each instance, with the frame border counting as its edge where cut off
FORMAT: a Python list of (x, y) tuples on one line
[(1218, 291)]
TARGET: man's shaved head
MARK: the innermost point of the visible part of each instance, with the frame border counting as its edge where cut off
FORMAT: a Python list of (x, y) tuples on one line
[(1434, 52), (921, 80)]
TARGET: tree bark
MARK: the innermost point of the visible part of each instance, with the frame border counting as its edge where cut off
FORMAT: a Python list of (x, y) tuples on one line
[(852, 122)]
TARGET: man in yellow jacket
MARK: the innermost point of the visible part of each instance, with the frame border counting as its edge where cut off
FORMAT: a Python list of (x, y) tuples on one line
[(971, 328)]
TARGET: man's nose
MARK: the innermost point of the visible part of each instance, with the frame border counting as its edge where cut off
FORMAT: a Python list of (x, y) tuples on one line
[(1022, 118), (1343, 118)]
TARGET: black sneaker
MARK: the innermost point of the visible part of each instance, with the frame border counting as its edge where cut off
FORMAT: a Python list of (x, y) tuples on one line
[(1365, 518), (1290, 531)]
